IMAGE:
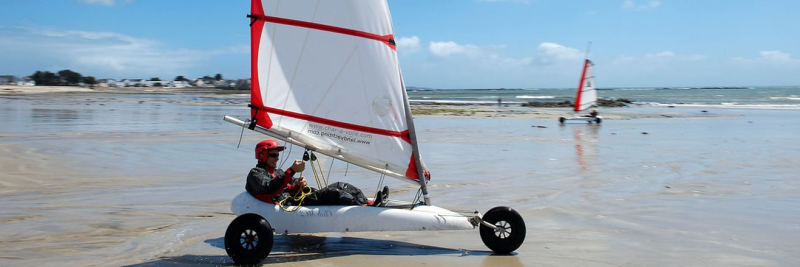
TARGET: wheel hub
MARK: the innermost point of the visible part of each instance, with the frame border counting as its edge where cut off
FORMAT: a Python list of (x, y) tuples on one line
[(249, 239), (502, 229)]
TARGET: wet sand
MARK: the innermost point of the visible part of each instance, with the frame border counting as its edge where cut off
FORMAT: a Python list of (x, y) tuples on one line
[(146, 179)]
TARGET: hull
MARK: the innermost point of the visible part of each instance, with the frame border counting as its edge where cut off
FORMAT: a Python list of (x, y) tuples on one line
[(315, 219), (597, 119)]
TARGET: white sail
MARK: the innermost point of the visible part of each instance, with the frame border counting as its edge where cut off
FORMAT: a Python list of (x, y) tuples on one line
[(325, 75), (587, 93)]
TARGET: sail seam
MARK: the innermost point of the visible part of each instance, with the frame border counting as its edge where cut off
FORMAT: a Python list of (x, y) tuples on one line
[(402, 135), (386, 39)]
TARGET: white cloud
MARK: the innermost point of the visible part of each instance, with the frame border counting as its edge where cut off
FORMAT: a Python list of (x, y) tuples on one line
[(550, 53), (101, 54), (408, 44), (445, 49), (630, 4), (766, 58), (99, 2), (775, 56), (662, 54)]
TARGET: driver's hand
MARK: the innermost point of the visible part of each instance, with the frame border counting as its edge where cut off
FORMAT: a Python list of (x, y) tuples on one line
[(298, 165), (301, 182)]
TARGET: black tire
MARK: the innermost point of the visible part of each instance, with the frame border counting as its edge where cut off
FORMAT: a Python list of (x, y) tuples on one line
[(508, 218), (598, 120), (561, 119), (249, 239)]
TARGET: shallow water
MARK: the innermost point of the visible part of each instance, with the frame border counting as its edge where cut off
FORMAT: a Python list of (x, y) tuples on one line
[(147, 179)]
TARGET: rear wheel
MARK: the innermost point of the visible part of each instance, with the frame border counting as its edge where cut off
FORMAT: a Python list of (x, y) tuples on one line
[(561, 119), (510, 233), (249, 239), (598, 120)]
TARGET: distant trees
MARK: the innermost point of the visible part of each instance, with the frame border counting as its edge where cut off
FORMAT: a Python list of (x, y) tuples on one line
[(90, 80), (45, 78), (69, 77), (218, 77), (181, 79), (64, 77)]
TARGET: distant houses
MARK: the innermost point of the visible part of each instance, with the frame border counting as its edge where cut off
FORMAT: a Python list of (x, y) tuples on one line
[(225, 84), (14, 80)]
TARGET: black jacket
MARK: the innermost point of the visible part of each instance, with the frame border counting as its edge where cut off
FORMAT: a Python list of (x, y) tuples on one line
[(270, 187)]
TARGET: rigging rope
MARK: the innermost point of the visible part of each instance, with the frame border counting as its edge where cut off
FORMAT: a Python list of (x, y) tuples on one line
[(286, 155), (298, 197), (242, 134)]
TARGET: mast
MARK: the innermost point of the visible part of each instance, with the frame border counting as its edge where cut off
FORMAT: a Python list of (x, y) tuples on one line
[(412, 134)]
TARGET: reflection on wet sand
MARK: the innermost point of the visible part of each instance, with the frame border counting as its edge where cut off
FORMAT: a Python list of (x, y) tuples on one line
[(300, 248), (56, 115), (585, 146)]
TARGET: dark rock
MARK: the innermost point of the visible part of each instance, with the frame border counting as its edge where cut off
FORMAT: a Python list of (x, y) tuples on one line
[(622, 102), (563, 104)]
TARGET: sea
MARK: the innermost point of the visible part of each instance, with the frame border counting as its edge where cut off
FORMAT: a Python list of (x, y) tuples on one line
[(758, 97)]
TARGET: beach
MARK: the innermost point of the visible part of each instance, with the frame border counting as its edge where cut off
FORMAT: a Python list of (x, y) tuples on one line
[(114, 177)]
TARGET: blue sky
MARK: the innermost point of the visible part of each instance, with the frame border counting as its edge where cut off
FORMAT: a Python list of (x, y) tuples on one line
[(442, 43)]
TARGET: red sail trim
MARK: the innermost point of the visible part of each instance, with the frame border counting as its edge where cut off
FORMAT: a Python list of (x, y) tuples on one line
[(386, 39), (402, 135), (580, 86), (256, 29), (412, 173)]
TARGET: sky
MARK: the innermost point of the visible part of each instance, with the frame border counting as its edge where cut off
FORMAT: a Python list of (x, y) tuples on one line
[(441, 44)]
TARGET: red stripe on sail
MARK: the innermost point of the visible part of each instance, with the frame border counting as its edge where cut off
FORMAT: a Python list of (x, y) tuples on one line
[(402, 135), (386, 39), (262, 119), (580, 86)]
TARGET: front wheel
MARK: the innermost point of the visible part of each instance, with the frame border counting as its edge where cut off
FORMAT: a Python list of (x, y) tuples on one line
[(561, 119), (598, 120), (249, 239), (510, 232)]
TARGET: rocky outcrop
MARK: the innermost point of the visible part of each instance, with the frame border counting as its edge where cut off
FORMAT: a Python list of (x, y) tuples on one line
[(622, 102)]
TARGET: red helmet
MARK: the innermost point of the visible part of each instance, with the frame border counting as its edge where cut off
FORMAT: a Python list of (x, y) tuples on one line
[(268, 145)]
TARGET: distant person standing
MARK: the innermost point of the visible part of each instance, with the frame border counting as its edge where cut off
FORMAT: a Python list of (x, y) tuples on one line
[(499, 102)]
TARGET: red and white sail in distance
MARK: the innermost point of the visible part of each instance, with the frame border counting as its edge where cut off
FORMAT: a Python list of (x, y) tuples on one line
[(325, 74), (587, 93)]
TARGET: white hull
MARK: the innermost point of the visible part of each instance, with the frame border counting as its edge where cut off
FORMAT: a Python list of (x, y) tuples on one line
[(315, 219), (581, 119)]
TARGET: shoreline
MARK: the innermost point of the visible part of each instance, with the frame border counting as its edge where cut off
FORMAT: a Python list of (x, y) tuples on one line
[(508, 110)]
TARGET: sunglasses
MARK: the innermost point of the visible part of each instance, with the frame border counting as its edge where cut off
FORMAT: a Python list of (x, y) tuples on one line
[(273, 155)]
